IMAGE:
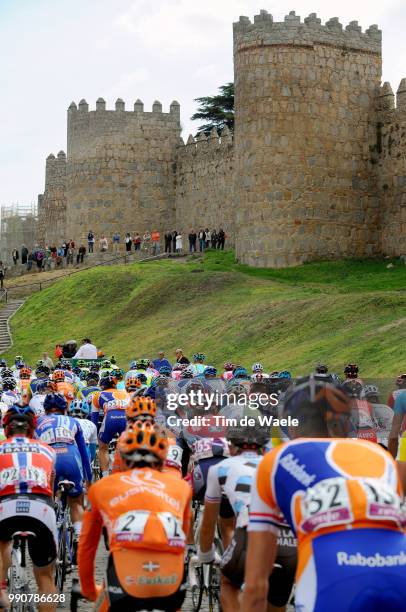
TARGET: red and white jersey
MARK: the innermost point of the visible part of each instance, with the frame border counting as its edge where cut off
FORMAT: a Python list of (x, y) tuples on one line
[(26, 466)]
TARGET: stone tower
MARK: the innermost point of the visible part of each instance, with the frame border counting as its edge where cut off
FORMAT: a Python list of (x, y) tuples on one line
[(52, 203), (305, 121), (120, 172)]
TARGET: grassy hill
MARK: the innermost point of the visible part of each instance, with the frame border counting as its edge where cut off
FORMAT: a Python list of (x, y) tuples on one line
[(290, 318)]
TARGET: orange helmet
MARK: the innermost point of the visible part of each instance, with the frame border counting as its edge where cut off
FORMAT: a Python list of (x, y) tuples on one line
[(58, 376), (141, 407), (25, 373), (141, 441), (132, 382)]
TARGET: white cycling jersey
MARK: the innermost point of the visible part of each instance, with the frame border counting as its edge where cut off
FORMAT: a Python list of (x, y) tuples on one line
[(232, 478), (37, 404), (89, 430)]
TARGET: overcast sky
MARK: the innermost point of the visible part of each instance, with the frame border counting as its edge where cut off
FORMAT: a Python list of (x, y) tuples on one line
[(56, 51)]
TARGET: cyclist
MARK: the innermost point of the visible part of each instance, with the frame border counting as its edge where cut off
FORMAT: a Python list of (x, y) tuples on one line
[(147, 514), (228, 371), (9, 394), (38, 398), (399, 411), (382, 415), (258, 369), (342, 497), (362, 418), (92, 386), (26, 497), (80, 410), (351, 372), (132, 383), (64, 434), (113, 402), (18, 363), (64, 387), (198, 363), (232, 478), (400, 385), (321, 368), (42, 372)]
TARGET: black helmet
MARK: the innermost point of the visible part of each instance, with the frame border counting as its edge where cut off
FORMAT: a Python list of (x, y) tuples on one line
[(108, 382), (245, 437), (321, 368)]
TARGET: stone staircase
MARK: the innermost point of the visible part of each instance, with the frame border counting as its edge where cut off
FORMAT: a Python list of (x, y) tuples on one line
[(6, 313)]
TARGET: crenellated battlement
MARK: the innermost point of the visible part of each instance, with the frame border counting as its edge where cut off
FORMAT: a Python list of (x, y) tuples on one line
[(387, 100), (206, 143), (265, 31), (83, 107)]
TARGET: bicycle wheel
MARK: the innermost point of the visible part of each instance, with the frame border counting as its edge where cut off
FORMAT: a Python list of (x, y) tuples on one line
[(60, 573), (197, 590), (214, 589)]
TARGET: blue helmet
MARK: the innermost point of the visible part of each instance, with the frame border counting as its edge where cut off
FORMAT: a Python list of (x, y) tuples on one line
[(165, 371), (142, 378), (285, 374), (56, 402), (133, 364), (108, 382), (240, 373), (19, 413), (210, 371), (79, 407)]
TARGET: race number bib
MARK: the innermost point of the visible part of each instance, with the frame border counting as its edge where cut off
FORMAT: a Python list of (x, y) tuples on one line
[(326, 504), (16, 475), (174, 456), (202, 449), (129, 527), (383, 503), (173, 529)]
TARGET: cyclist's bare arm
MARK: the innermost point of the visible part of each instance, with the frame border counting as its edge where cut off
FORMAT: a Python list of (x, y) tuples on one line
[(261, 554), (393, 441), (89, 540), (208, 527)]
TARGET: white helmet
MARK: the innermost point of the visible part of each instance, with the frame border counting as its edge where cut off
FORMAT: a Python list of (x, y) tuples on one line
[(257, 367)]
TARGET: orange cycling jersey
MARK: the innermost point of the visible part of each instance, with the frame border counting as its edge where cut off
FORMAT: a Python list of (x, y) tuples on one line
[(110, 399), (66, 389), (147, 514)]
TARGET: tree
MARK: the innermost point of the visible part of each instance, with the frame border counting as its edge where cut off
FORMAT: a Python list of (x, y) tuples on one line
[(217, 111)]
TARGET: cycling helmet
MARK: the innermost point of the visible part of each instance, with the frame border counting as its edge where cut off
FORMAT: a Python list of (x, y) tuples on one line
[(113, 360), (274, 374), (25, 373), (19, 364), (285, 374), (42, 385), (142, 364), (199, 357), (370, 392), (9, 383), (321, 368), (79, 408), (246, 438), (133, 364), (141, 377), (55, 402), (18, 359), (94, 367), (82, 375), (118, 373), (81, 363), (240, 372), (92, 376), (228, 366), (108, 382), (188, 372), (210, 371), (143, 442), (7, 373), (3, 363), (42, 371), (19, 414), (236, 388), (141, 408), (76, 370), (165, 371), (66, 364), (352, 387), (106, 364), (401, 380), (316, 402), (351, 370), (58, 376), (132, 382), (257, 367)]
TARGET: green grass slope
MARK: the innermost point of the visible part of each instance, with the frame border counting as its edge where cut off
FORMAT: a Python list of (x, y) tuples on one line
[(291, 318)]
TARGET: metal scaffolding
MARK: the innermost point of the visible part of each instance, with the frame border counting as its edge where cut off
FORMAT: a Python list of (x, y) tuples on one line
[(18, 225)]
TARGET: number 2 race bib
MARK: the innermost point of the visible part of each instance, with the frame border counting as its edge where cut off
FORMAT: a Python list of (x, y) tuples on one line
[(130, 527)]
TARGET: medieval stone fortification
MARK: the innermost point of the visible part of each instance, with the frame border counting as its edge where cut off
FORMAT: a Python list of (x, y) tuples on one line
[(315, 169)]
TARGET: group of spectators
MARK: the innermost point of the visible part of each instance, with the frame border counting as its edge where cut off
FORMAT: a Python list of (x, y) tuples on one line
[(200, 240), (49, 257)]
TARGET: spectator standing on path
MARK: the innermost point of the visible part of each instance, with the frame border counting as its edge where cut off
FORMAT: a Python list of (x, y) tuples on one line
[(39, 255), (116, 243), (47, 360), (146, 241), (179, 243), (160, 361), (128, 242), (180, 358), (208, 237), (2, 274), (137, 242), (174, 234), (192, 241), (70, 254), (86, 351), (15, 256), (103, 244), (213, 239), (90, 241), (221, 238), (65, 248), (156, 244), (24, 254), (81, 254), (168, 242), (30, 259), (202, 240), (58, 351)]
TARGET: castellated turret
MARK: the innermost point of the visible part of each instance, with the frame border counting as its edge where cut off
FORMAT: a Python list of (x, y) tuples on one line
[(120, 173), (305, 106), (52, 203)]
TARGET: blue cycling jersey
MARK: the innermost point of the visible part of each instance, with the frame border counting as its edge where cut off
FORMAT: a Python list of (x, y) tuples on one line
[(64, 431), (400, 403)]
